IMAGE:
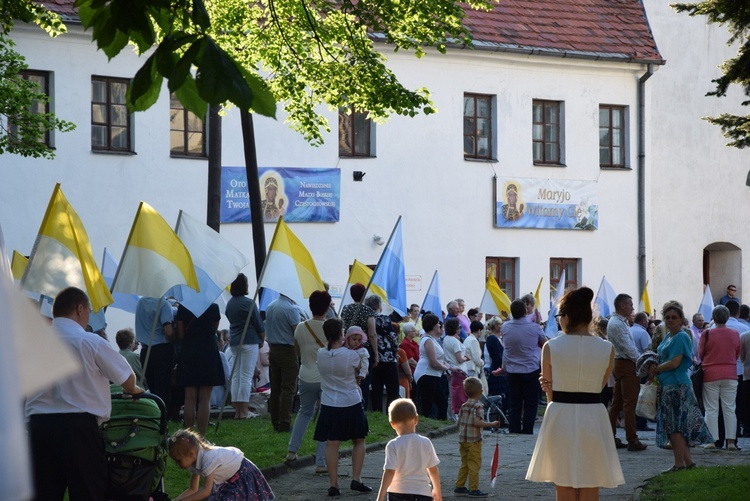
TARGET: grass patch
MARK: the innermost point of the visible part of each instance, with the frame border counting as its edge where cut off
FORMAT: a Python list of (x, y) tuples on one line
[(706, 484), (264, 447)]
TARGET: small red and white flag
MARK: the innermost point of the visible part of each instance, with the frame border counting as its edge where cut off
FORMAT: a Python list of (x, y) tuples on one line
[(494, 464)]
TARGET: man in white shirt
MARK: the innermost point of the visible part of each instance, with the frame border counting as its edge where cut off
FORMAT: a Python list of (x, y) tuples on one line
[(640, 335), (627, 382), (67, 449)]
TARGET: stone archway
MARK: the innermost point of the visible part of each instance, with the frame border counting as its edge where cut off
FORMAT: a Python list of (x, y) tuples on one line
[(722, 265)]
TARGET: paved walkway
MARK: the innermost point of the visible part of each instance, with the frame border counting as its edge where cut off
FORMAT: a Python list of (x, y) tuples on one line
[(515, 454)]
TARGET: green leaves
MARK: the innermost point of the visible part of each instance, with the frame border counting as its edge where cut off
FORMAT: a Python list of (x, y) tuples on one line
[(300, 53), (24, 130), (735, 15)]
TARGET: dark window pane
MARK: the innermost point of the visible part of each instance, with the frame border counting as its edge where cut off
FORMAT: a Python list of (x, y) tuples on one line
[(477, 126), (603, 117), (177, 119), (119, 138), (538, 132), (98, 91), (483, 108), (550, 152), (195, 124), (195, 143), (551, 113), (118, 90), (604, 137), (483, 126), (99, 136), (119, 114), (551, 132), (469, 106), (604, 156), (176, 141), (483, 147), (617, 156), (99, 113), (538, 113), (616, 118), (616, 137), (468, 125), (469, 146), (345, 134), (538, 157)]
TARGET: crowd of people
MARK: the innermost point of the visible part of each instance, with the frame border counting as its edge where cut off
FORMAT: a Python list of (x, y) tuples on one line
[(443, 364)]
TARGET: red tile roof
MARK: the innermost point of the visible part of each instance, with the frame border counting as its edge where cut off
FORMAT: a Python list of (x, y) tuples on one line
[(591, 29), (63, 7)]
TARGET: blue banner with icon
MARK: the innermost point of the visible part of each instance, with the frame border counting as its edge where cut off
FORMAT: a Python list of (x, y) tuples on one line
[(301, 195), (560, 204)]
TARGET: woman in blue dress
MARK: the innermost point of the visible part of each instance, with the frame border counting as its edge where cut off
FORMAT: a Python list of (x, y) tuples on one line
[(679, 420)]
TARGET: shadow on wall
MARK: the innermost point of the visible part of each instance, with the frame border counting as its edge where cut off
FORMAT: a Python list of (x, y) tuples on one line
[(722, 265)]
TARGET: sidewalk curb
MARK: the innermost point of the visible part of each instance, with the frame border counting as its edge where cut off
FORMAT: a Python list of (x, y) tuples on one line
[(277, 470)]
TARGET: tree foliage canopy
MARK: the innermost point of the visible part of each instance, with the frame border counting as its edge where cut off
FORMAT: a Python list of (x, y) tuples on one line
[(300, 53), (735, 15)]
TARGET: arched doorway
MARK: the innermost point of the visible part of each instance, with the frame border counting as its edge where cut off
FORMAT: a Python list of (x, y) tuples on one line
[(722, 265)]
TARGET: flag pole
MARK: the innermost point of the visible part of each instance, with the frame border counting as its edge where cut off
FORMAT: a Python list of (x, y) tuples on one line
[(125, 250), (38, 237), (434, 275), (381, 258), (151, 340), (341, 306), (236, 363)]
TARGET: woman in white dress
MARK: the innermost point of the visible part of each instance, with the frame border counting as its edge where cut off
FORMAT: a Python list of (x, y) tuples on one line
[(575, 449)]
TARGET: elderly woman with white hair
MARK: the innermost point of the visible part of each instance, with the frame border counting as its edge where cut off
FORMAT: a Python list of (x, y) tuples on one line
[(719, 350), (410, 345)]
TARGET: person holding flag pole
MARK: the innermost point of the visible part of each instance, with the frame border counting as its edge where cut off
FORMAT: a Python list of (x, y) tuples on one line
[(390, 276), (289, 269)]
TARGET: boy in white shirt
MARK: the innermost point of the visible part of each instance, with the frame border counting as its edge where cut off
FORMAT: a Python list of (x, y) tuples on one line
[(411, 463)]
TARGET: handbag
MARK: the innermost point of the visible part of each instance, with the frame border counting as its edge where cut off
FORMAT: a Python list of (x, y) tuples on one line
[(646, 406)]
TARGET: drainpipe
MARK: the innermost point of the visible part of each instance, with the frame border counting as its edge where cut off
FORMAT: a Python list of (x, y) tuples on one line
[(642, 176)]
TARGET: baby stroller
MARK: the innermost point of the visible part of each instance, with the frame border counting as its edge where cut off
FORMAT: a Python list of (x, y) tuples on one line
[(135, 439), (493, 412)]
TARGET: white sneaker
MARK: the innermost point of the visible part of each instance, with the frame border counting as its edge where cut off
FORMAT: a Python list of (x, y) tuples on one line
[(732, 446), (710, 446)]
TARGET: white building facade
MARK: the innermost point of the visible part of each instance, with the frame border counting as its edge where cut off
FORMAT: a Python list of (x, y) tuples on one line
[(418, 168)]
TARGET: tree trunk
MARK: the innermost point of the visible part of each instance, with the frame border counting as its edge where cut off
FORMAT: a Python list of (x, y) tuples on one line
[(213, 205), (253, 188)]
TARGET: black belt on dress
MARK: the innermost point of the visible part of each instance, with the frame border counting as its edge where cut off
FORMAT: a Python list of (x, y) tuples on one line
[(575, 397)]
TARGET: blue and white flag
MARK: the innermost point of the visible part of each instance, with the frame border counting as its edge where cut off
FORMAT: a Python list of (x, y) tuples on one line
[(267, 296), (551, 329), (432, 299), (390, 273), (124, 302), (217, 263), (707, 304), (605, 299)]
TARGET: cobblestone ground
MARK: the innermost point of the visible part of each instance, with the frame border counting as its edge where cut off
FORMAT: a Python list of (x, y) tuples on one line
[(515, 453)]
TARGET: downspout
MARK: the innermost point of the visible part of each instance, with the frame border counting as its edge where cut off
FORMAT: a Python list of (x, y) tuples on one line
[(642, 176)]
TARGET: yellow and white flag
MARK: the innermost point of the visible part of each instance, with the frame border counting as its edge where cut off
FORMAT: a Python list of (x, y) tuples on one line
[(646, 301), (62, 256), (18, 265), (361, 273), (538, 292), (495, 301), (289, 268), (155, 259)]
